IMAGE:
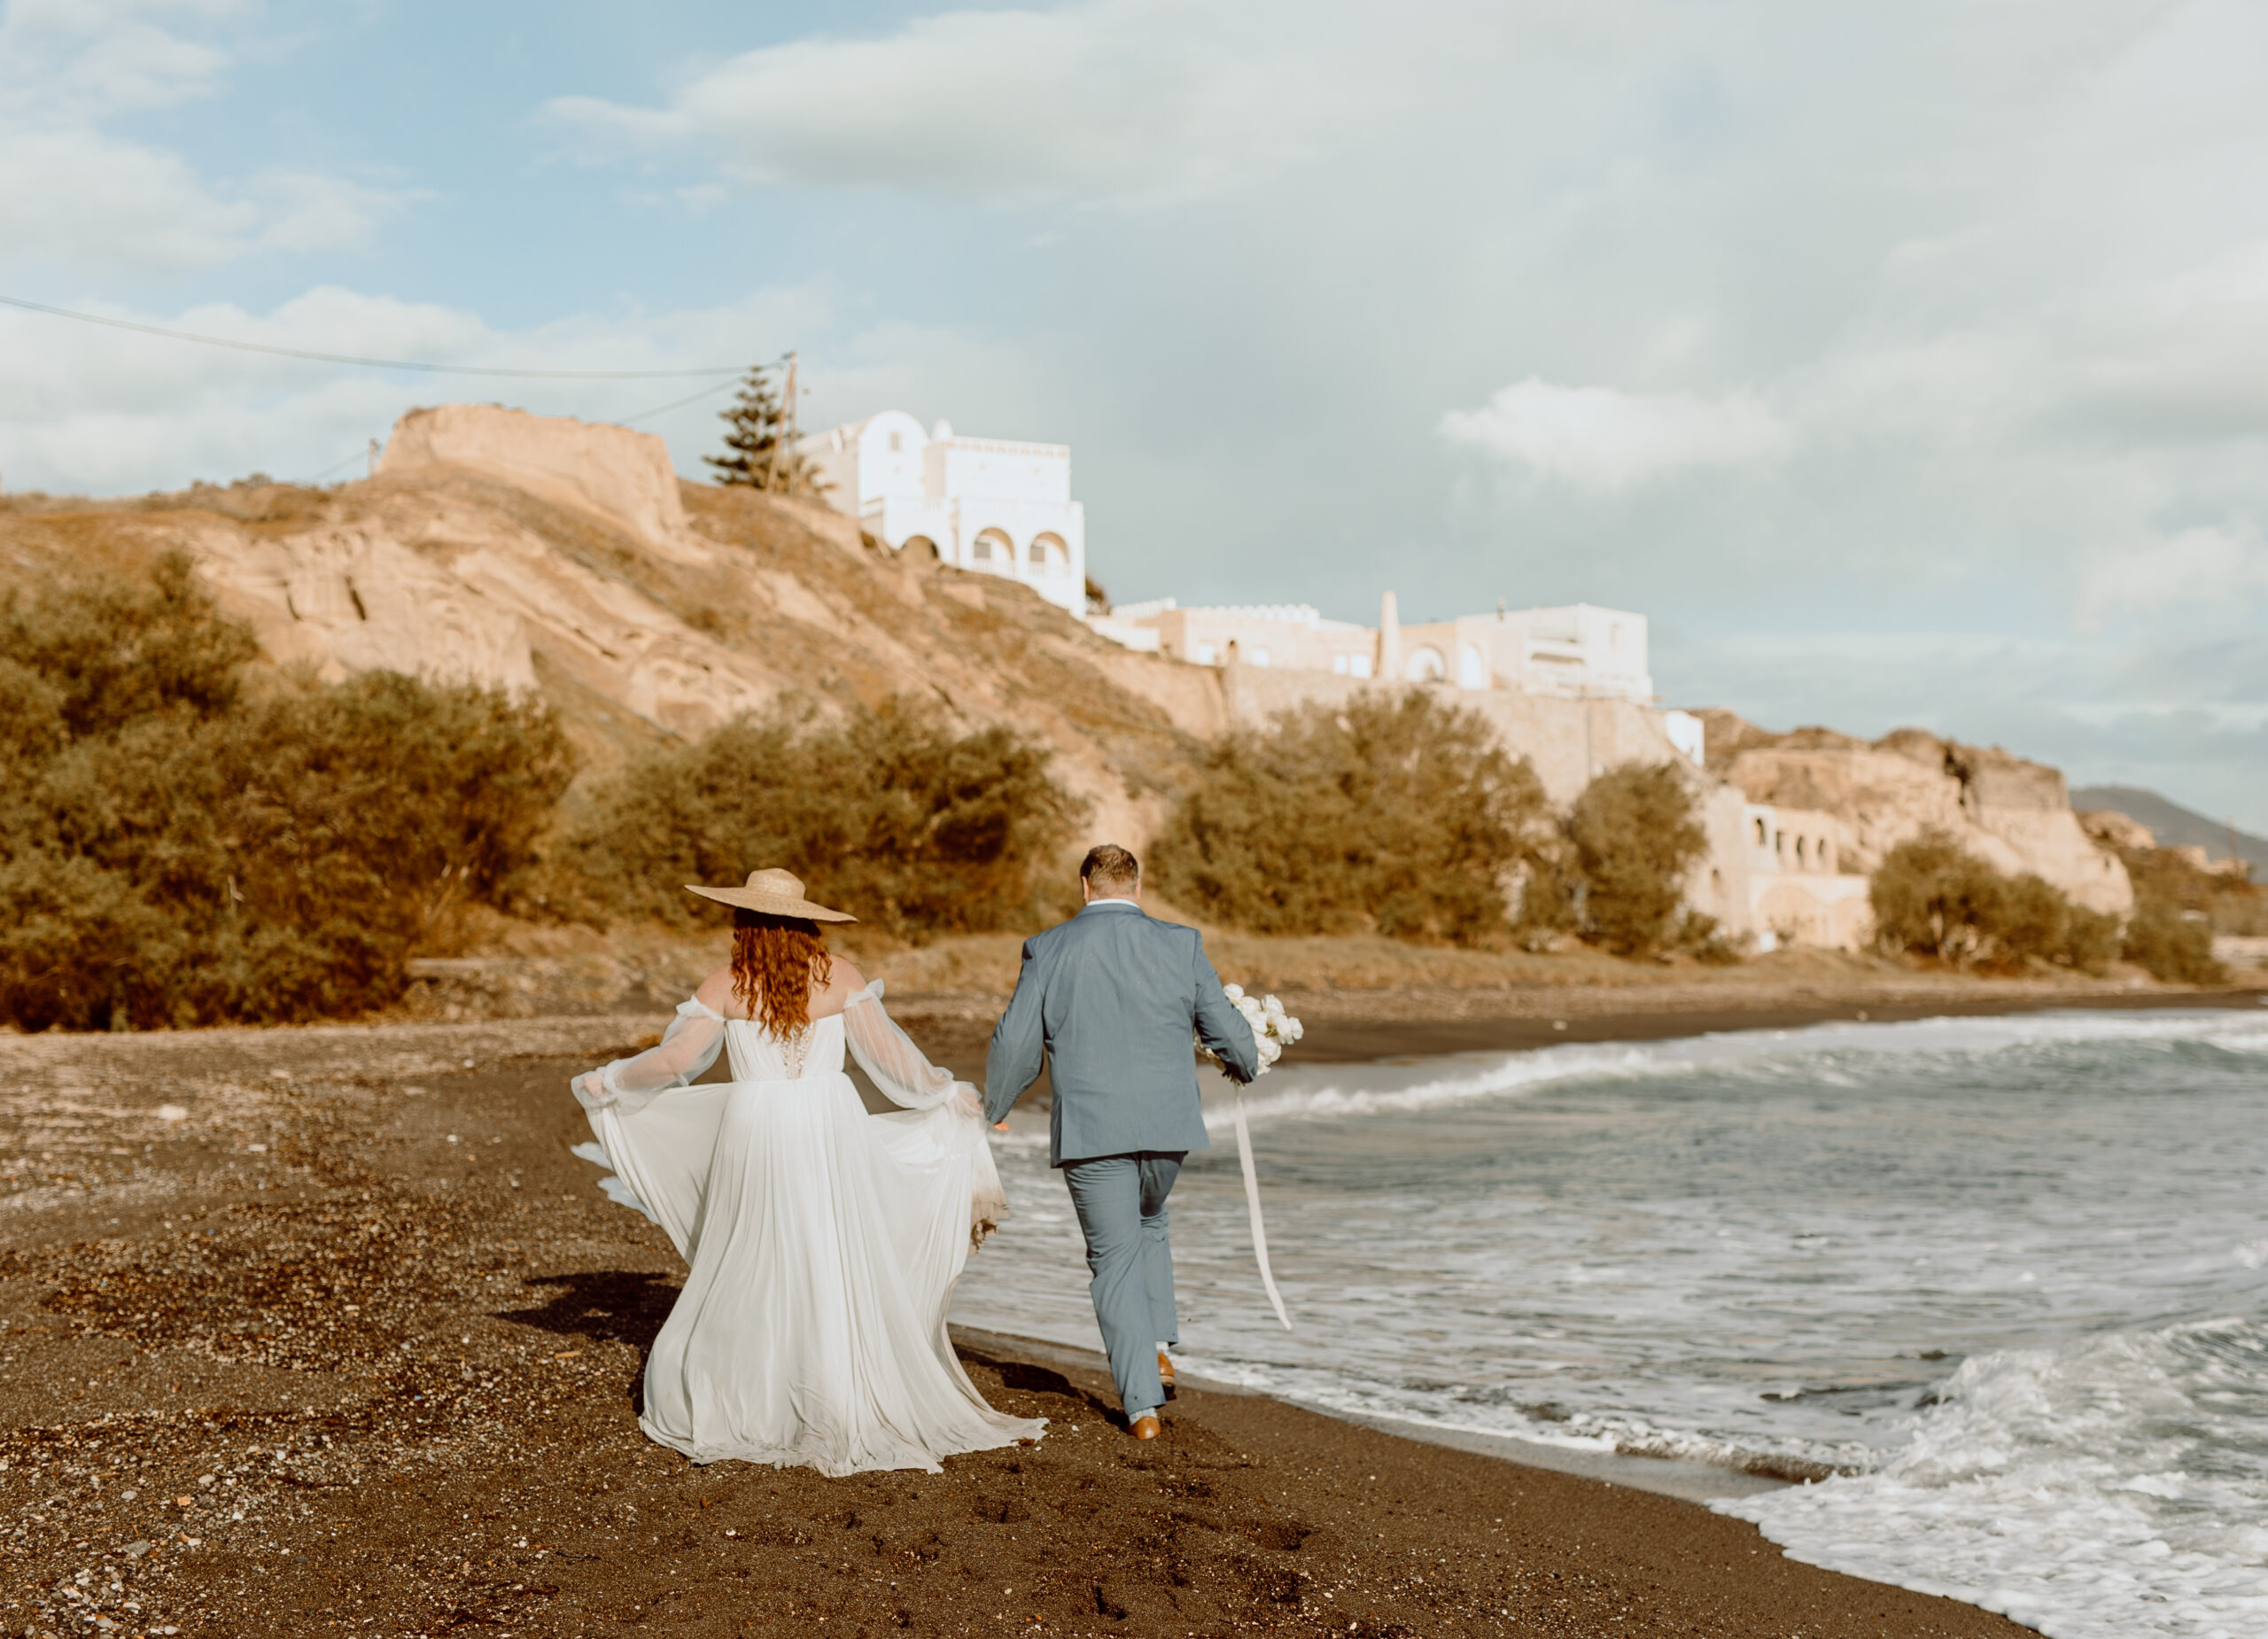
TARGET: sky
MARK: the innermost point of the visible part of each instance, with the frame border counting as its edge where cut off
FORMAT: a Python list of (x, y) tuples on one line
[(1904, 364)]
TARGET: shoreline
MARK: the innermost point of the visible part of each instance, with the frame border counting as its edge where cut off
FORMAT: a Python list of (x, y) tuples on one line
[(1368, 1040), (309, 1332), (1662, 1476), (957, 1035)]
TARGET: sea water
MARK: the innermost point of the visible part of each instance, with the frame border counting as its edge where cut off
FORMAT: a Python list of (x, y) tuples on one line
[(1999, 1287)]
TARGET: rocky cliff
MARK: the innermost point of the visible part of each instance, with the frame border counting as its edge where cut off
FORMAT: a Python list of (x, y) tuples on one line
[(2016, 815), (530, 552)]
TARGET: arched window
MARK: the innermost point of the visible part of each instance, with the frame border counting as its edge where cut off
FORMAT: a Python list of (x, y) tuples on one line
[(1760, 837), (1427, 666), (1048, 554), (1471, 669), (1826, 856), (993, 550), (1799, 853)]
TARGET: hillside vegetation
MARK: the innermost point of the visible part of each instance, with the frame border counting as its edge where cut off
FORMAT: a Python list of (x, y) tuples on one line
[(179, 847), (187, 840), (923, 831), (1933, 900)]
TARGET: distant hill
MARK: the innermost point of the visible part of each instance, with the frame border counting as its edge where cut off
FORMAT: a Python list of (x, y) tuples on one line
[(2174, 826)]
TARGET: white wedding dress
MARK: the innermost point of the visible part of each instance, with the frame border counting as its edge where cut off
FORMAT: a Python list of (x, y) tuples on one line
[(822, 1242)]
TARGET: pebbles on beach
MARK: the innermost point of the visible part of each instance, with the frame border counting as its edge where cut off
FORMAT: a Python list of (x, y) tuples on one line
[(354, 1379)]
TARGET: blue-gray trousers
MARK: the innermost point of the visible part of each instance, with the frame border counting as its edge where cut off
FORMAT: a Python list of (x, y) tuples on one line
[(1121, 1200)]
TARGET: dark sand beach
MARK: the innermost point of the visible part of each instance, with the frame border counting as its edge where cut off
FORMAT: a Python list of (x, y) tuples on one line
[(324, 1330)]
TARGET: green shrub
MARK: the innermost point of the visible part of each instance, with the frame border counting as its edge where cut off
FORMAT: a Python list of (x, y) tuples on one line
[(1932, 898), (2176, 907), (1633, 837), (2172, 944), (2091, 942), (1394, 813), (112, 652), (175, 850), (889, 813)]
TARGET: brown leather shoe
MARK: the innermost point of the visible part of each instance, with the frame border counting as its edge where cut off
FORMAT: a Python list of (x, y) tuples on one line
[(1165, 1372), (1146, 1427)]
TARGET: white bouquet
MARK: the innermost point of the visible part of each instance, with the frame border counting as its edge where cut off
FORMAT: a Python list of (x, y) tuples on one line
[(1272, 1031)]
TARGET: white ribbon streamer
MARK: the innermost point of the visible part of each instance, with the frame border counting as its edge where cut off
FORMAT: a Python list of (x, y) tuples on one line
[(1252, 1200)]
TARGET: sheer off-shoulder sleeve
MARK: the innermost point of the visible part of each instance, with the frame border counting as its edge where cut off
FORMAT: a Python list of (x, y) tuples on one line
[(688, 1047), (936, 1111), (888, 1055)]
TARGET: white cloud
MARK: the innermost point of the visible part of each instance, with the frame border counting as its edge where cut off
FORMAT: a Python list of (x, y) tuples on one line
[(1123, 102), (84, 59), (80, 198), (74, 193), (2225, 569), (316, 212), (1601, 438), (86, 409)]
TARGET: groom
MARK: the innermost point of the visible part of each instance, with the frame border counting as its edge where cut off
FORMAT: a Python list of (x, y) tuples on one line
[(1110, 999)]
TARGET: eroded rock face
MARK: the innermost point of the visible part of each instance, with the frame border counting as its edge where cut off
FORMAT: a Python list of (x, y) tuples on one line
[(530, 552), (619, 475), (2014, 813), (2113, 829), (351, 598)]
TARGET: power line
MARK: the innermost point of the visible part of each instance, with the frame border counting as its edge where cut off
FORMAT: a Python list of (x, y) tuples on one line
[(335, 466), (426, 366), (706, 392)]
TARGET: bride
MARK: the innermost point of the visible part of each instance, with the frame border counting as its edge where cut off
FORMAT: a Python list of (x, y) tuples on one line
[(823, 1242)]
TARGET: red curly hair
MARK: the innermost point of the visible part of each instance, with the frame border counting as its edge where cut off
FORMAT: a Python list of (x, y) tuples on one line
[(777, 961)]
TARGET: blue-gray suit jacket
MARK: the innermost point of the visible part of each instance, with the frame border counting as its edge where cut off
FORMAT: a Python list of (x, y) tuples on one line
[(1111, 998)]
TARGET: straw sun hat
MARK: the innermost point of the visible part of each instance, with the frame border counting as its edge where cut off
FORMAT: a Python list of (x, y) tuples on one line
[(773, 893)]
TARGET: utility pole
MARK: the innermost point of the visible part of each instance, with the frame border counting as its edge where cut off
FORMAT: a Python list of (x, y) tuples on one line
[(374, 458)]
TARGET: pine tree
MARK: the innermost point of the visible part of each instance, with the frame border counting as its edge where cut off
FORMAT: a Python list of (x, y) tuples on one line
[(757, 452)]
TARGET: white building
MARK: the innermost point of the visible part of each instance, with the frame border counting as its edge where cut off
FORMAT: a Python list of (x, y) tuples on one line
[(1801, 890), (1580, 652), (994, 506), (1292, 635)]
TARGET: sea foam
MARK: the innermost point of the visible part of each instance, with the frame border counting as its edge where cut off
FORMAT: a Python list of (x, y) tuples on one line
[(2006, 1279)]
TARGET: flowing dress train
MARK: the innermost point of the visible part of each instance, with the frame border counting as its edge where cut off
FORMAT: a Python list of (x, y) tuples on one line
[(822, 1242)]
